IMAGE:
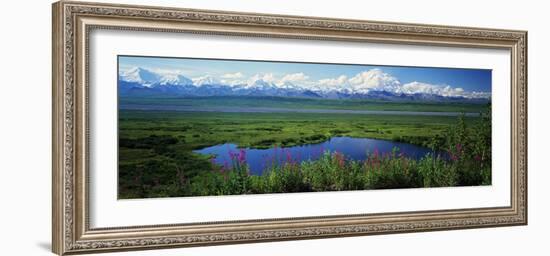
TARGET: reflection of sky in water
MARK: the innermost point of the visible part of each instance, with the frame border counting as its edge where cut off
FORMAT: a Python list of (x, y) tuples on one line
[(352, 148)]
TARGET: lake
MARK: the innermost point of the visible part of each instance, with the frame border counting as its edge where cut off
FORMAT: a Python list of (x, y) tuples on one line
[(352, 148)]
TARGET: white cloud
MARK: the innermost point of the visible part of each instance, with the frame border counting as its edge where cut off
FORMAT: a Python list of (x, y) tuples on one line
[(419, 87), (442, 90), (475, 94), (296, 77), (377, 80), (262, 78), (295, 80), (363, 82), (374, 79), (170, 72), (167, 71), (339, 81), (233, 79), (269, 77), (231, 82), (233, 75)]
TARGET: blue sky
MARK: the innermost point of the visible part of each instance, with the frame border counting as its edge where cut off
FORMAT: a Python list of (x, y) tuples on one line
[(468, 79)]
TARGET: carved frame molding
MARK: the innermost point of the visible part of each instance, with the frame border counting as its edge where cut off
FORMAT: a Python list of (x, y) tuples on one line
[(72, 23)]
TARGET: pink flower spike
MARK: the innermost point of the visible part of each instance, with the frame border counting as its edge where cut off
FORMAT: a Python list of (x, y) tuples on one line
[(231, 154), (288, 156), (242, 156)]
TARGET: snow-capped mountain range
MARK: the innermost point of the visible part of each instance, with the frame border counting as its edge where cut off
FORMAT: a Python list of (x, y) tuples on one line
[(371, 84)]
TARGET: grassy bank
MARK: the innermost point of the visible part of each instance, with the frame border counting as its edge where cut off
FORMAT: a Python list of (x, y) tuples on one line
[(195, 130)]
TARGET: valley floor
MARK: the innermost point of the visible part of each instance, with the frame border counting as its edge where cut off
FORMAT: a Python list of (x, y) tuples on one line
[(155, 147)]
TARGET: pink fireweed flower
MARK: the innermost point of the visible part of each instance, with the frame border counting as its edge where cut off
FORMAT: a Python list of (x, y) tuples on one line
[(232, 155), (376, 153), (454, 157), (268, 161), (459, 148), (377, 160), (288, 156), (339, 157), (321, 150), (241, 156), (477, 158)]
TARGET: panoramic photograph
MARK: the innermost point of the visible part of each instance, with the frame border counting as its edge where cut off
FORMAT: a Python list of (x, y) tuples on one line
[(212, 127)]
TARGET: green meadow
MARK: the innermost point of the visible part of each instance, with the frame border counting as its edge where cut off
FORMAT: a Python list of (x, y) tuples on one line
[(307, 103), (156, 157)]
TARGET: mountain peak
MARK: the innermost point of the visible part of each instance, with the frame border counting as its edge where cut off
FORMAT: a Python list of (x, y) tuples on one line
[(287, 85), (140, 75), (205, 80), (373, 83), (175, 79)]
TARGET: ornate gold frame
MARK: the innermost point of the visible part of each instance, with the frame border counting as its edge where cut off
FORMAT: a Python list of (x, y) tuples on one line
[(72, 22)]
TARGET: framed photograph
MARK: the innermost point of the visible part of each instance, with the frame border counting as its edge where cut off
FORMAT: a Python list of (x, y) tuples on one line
[(179, 127)]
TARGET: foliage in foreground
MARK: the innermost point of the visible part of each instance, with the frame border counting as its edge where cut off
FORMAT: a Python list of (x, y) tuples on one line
[(333, 173)]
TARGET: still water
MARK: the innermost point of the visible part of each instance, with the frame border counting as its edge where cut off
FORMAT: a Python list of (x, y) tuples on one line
[(351, 148)]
